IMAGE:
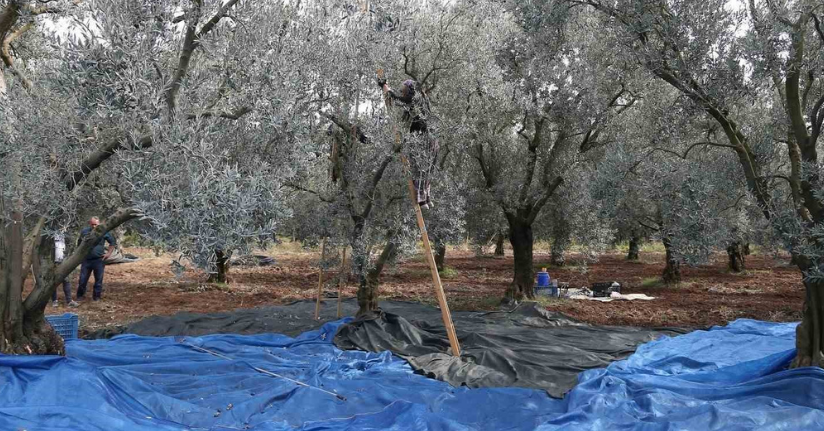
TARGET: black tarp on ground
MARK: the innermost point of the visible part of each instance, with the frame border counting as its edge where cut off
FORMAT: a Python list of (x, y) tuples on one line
[(289, 319), (527, 346)]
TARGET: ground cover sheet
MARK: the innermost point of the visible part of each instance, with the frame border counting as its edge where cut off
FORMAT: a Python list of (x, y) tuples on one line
[(525, 346), (727, 378)]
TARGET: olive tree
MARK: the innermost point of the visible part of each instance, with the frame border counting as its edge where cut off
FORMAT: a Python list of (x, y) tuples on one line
[(142, 95), (671, 183), (703, 51), (534, 110), (358, 179)]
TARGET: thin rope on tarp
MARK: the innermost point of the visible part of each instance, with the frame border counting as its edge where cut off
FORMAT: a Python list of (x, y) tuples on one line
[(181, 340)]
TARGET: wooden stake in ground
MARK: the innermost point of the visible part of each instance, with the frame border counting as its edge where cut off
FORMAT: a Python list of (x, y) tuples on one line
[(320, 278), (341, 281)]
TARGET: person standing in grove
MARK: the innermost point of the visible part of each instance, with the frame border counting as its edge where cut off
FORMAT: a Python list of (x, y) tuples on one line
[(94, 262), (59, 254)]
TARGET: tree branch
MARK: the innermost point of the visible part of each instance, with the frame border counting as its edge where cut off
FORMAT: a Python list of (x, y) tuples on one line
[(190, 43), (817, 117), (31, 244), (5, 53), (487, 172), (9, 17), (95, 159), (712, 144), (234, 115), (406, 69), (216, 18), (46, 9), (531, 164), (308, 190), (818, 29), (654, 229), (550, 190), (376, 178)]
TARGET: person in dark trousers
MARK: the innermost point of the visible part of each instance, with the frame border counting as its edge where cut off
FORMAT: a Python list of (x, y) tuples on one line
[(59, 254), (416, 113), (94, 261)]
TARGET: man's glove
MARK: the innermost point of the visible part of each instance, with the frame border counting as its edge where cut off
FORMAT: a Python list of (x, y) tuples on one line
[(381, 82)]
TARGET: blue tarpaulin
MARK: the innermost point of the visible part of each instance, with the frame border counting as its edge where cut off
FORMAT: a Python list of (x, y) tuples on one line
[(727, 378)]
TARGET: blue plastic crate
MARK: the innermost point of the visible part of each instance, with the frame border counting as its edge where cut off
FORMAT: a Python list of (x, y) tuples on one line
[(65, 325)]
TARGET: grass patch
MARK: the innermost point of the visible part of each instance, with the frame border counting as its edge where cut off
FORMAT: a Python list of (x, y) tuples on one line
[(654, 246), (549, 301), (652, 282), (287, 246), (449, 272)]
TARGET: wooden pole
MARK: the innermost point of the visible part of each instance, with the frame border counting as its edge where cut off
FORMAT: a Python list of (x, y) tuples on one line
[(320, 278), (433, 268), (341, 281)]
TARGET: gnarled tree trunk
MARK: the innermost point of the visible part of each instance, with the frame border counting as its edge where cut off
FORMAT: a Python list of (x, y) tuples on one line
[(440, 254), (521, 239), (556, 256), (221, 267), (735, 252), (810, 333), (672, 270), (370, 279), (560, 239), (499, 244), (634, 248)]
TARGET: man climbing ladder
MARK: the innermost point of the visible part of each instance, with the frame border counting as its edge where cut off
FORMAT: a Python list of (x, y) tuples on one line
[(416, 122), (421, 144)]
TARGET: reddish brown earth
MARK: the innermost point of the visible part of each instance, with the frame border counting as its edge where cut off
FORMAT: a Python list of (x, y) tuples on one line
[(709, 295)]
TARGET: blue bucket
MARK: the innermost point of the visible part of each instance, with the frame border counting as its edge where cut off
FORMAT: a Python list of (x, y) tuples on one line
[(543, 279)]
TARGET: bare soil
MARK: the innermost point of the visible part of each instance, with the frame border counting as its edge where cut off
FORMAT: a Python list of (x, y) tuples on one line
[(709, 295)]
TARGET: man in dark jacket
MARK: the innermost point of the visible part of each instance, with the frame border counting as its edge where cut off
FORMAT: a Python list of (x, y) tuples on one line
[(416, 113), (94, 261)]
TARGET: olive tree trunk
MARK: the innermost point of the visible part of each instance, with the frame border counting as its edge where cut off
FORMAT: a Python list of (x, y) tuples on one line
[(557, 255), (560, 240), (672, 270), (499, 244), (735, 252), (221, 267), (810, 333), (521, 238), (634, 248), (440, 254), (370, 278)]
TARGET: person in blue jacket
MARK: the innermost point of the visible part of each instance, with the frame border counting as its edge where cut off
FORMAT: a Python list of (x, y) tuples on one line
[(94, 262)]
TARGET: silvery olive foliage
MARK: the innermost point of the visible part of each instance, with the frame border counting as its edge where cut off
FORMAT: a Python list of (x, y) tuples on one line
[(534, 111), (752, 70), (355, 191), (695, 122), (193, 108), (655, 180), (749, 70)]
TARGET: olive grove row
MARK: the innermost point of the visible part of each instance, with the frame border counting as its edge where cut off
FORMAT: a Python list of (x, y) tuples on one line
[(213, 126)]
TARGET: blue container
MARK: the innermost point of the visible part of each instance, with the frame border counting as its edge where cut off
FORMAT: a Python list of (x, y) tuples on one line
[(65, 325), (543, 279)]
